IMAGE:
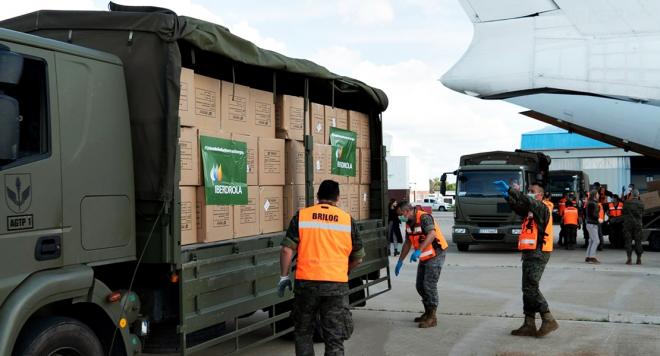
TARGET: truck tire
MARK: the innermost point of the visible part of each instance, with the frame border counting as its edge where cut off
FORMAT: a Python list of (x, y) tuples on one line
[(58, 336), (463, 247)]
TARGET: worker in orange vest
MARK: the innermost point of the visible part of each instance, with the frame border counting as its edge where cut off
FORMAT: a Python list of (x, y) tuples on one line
[(535, 242), (615, 212), (429, 246), (570, 221), (560, 211), (328, 247)]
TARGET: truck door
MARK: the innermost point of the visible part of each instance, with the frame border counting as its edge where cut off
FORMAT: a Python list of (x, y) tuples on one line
[(30, 175)]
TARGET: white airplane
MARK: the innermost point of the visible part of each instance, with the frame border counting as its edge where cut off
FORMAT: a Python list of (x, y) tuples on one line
[(588, 66)]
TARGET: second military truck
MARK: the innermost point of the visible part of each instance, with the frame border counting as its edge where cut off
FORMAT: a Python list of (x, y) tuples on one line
[(481, 215)]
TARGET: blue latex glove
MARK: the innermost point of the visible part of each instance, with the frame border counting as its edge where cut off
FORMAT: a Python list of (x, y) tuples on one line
[(398, 268), (415, 255), (285, 282), (502, 187)]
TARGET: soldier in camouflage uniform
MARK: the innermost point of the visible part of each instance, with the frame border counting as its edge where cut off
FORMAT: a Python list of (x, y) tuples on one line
[(533, 261), (322, 299), (428, 271), (633, 210)]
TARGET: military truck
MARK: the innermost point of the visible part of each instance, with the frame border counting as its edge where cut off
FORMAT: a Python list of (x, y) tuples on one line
[(91, 260), (481, 215), (569, 182)]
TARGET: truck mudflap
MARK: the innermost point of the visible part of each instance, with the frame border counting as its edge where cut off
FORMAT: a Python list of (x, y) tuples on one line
[(229, 296)]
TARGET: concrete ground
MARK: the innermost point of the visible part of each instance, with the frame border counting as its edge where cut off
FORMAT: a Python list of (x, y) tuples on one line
[(606, 309)]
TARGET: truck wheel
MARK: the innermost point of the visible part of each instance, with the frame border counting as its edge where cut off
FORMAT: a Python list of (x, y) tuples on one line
[(463, 247), (442, 208), (58, 336)]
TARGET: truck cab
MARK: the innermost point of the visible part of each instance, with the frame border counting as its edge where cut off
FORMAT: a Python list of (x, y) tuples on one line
[(481, 215), (562, 182)]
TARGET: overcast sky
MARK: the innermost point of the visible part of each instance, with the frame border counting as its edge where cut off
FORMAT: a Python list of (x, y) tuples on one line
[(402, 47)]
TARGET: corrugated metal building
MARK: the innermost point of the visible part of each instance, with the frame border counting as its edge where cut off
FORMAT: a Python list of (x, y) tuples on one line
[(603, 163)]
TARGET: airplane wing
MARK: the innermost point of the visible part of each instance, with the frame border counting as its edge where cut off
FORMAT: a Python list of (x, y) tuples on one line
[(589, 66)]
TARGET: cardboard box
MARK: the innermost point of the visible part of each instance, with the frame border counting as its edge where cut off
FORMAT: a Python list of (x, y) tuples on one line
[(271, 212), (290, 117), (317, 123), (262, 113), (365, 166), (334, 118), (653, 186), (651, 200), (207, 103), (364, 201), (252, 157), (188, 215), (294, 200), (246, 217), (190, 160), (271, 161), (216, 221), (344, 198), (321, 163), (295, 162), (356, 179), (186, 100), (354, 201), (234, 110), (359, 123)]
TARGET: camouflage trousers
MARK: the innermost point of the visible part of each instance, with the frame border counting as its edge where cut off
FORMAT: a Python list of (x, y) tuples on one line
[(428, 274), (313, 305), (633, 232), (533, 265)]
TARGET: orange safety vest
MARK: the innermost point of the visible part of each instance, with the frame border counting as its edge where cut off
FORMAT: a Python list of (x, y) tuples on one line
[(601, 213), (325, 244), (417, 236), (570, 216), (530, 232), (615, 210), (562, 206)]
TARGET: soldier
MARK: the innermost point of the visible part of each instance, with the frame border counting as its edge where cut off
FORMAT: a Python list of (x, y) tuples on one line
[(429, 245), (633, 210), (535, 242), (325, 238)]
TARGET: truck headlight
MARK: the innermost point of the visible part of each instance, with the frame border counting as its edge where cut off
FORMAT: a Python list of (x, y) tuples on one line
[(459, 230), (516, 231)]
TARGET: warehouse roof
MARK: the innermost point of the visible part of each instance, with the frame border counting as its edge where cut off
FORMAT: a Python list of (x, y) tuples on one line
[(554, 138)]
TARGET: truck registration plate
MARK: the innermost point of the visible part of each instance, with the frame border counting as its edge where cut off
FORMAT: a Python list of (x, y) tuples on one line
[(488, 231)]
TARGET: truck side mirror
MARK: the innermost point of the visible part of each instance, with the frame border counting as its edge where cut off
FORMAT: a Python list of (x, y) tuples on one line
[(443, 184), (9, 128), (11, 68)]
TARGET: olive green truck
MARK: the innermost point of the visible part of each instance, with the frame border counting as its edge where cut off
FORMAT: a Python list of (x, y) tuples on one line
[(90, 255), (482, 216)]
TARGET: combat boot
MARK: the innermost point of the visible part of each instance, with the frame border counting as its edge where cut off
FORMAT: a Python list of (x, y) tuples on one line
[(424, 315), (639, 260), (629, 260), (548, 325), (430, 320), (528, 327)]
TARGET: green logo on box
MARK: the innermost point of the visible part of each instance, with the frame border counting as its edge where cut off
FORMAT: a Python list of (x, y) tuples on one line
[(225, 171), (343, 144)]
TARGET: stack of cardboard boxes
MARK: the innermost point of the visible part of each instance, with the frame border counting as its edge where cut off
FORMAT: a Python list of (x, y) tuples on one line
[(211, 107), (273, 130)]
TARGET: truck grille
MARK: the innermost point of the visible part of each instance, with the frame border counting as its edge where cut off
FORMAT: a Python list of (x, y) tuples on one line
[(488, 237), (489, 218)]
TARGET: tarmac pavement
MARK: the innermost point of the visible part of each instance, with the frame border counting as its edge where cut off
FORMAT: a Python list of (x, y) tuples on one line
[(606, 309)]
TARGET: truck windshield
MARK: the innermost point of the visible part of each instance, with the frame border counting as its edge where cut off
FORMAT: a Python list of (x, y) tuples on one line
[(563, 184), (480, 183)]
